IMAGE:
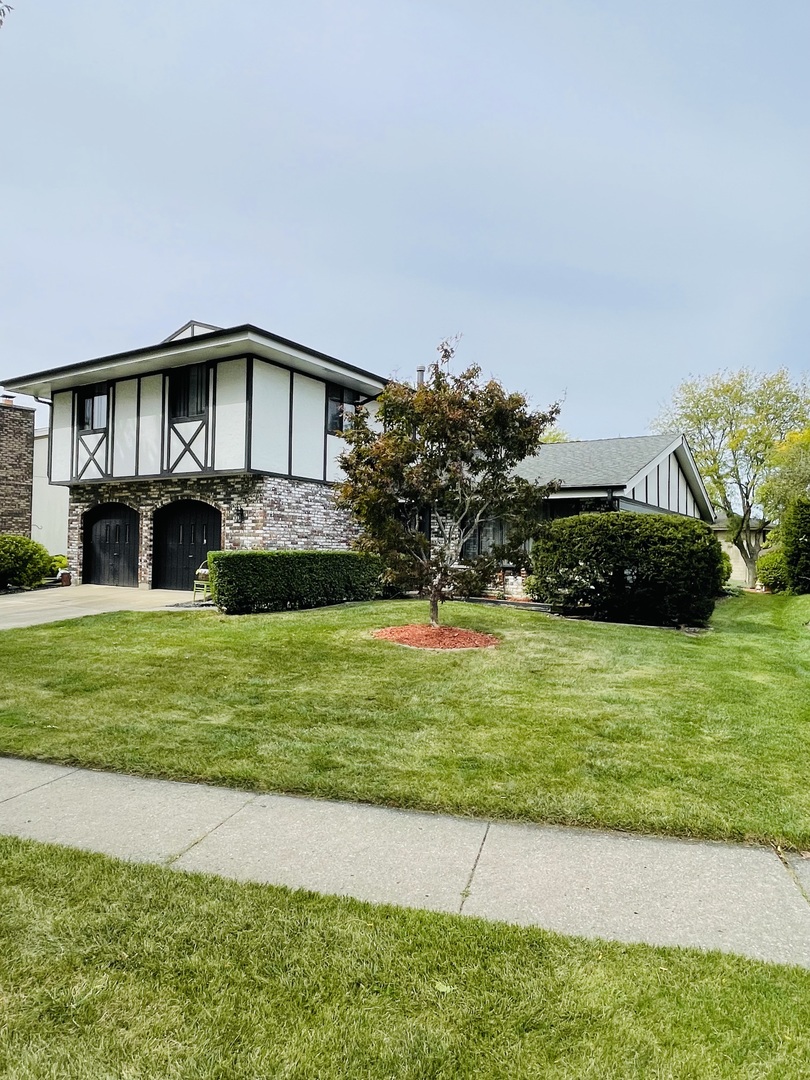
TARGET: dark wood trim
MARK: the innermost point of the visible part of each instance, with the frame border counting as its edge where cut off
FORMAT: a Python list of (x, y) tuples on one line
[(165, 445), (214, 391), (248, 410), (208, 474), (137, 426), (112, 402), (290, 428), (74, 435), (209, 382)]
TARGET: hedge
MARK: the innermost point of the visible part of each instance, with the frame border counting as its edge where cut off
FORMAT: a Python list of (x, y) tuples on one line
[(772, 570), (643, 568), (243, 582), (795, 534), (23, 562)]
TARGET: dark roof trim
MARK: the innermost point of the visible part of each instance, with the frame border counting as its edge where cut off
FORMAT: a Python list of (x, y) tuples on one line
[(183, 343)]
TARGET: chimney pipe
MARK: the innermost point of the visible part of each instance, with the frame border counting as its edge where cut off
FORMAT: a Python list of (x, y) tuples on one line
[(420, 376)]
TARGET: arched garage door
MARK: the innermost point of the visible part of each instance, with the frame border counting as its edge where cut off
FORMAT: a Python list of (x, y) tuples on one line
[(185, 532), (111, 545)]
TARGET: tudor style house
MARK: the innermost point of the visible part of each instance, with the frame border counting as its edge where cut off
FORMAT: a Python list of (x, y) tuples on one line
[(214, 438)]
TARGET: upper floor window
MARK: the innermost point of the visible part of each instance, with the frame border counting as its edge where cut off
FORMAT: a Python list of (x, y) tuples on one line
[(92, 411), (341, 402), (188, 392)]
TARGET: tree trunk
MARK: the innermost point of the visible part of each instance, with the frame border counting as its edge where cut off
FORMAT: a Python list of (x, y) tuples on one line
[(750, 570), (435, 595)]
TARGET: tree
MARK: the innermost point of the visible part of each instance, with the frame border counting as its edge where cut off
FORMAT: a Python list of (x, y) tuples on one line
[(789, 474), (437, 461), (796, 544), (4, 10), (733, 420)]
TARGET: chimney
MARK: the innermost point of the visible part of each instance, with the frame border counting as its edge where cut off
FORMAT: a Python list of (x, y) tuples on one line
[(420, 377), (7, 400)]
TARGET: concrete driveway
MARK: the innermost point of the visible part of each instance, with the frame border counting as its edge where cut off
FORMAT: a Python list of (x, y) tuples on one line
[(53, 605)]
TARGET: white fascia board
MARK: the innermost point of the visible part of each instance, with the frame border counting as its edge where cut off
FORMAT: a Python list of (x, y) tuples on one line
[(585, 493), (648, 468)]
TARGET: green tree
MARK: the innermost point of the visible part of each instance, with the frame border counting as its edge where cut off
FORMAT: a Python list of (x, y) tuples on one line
[(436, 461), (734, 420), (789, 474), (4, 10), (796, 544)]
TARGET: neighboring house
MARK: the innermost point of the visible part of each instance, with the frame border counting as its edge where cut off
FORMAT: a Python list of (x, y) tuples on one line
[(50, 503), (214, 438), (739, 571), (16, 466)]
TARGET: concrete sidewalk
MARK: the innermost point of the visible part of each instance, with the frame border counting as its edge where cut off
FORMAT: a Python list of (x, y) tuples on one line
[(732, 897), (53, 605)]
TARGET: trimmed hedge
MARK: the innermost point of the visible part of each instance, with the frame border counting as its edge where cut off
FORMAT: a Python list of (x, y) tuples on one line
[(642, 568), (772, 570), (23, 562), (795, 534), (243, 582)]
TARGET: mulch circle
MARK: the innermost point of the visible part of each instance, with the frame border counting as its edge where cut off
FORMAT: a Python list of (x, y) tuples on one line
[(436, 637)]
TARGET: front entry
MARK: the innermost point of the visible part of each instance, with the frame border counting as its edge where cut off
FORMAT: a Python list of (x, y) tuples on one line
[(184, 533), (110, 545)]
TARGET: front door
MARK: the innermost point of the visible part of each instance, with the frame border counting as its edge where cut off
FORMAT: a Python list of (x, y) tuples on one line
[(185, 532), (111, 545)]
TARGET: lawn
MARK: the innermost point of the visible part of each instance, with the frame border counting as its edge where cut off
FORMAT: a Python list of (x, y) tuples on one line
[(115, 970), (570, 722)]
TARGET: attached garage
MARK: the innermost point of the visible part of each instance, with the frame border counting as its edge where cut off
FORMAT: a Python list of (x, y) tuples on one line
[(184, 532), (110, 544)]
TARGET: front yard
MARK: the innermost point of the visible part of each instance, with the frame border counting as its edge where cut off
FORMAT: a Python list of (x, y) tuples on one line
[(643, 729), (114, 970)]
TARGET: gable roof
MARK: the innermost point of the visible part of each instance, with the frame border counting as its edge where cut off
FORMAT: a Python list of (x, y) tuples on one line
[(599, 467), (598, 463)]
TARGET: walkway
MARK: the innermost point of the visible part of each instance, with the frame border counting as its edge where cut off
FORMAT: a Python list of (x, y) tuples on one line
[(666, 892), (52, 605)]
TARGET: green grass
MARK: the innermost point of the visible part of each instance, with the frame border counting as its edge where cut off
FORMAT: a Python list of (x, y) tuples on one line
[(110, 970), (569, 722)]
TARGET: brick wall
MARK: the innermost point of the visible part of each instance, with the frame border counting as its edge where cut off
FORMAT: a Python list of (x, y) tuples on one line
[(275, 512), (16, 468)]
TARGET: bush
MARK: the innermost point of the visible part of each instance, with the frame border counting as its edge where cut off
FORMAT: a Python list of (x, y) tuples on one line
[(642, 568), (58, 563), (250, 581), (23, 562), (772, 570), (795, 534), (727, 567)]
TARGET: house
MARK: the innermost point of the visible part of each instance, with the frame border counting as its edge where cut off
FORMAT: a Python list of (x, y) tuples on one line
[(722, 530), (647, 474), (213, 438), (16, 466), (643, 474)]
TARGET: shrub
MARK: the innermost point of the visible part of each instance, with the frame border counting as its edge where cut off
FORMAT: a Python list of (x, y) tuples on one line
[(250, 581), (727, 567), (58, 562), (795, 534), (644, 568), (772, 570), (23, 562)]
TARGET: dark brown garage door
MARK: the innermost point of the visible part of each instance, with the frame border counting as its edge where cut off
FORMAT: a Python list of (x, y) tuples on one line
[(111, 545), (185, 532)]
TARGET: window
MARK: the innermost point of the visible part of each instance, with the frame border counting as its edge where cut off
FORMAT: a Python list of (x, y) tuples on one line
[(92, 414), (188, 392), (340, 402)]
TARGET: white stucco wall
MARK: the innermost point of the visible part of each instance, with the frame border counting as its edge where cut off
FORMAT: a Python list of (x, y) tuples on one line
[(49, 507)]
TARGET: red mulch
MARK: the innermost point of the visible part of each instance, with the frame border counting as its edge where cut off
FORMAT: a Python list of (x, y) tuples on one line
[(436, 637)]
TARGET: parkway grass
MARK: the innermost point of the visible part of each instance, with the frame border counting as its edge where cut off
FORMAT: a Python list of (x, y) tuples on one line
[(113, 970), (570, 722)]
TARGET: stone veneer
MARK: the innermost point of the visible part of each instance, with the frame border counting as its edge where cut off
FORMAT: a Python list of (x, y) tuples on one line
[(277, 513), (16, 468)]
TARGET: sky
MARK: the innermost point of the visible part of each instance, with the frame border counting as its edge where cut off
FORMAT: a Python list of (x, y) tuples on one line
[(602, 197)]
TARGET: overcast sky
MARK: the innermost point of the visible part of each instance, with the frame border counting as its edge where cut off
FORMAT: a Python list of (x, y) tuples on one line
[(602, 197)]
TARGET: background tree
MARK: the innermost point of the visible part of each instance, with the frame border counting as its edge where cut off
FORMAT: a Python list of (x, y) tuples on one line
[(4, 10), (437, 461), (733, 420), (796, 544), (788, 475)]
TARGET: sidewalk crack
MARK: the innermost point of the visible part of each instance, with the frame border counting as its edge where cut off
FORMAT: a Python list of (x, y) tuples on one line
[(179, 855), (36, 787), (791, 872), (465, 892)]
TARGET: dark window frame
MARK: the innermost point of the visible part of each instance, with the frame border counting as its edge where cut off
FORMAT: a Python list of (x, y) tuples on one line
[(339, 399), (188, 392), (97, 416)]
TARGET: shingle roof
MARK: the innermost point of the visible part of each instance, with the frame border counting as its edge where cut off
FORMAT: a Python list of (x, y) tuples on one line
[(595, 463)]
